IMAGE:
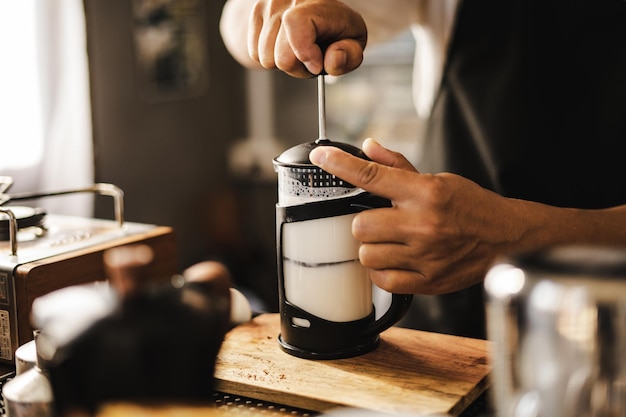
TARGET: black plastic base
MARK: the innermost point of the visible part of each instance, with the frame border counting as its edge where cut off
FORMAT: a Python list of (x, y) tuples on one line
[(339, 354)]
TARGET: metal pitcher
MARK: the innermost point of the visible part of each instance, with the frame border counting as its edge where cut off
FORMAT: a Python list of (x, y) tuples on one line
[(558, 322)]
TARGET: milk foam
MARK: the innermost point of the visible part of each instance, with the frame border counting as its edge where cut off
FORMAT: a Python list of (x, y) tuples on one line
[(321, 269), (337, 292)]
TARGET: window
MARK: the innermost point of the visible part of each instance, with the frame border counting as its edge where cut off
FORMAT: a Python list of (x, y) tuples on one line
[(21, 131), (45, 111)]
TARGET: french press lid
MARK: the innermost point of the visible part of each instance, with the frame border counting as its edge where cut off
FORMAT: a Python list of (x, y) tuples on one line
[(298, 156), (299, 180)]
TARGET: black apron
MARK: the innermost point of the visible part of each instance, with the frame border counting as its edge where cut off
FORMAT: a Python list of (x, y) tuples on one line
[(532, 105)]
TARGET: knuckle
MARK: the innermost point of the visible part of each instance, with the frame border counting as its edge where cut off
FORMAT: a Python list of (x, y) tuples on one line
[(267, 62), (258, 9), (292, 17), (435, 189), (274, 7), (290, 65), (254, 54), (283, 63), (289, 16), (368, 173)]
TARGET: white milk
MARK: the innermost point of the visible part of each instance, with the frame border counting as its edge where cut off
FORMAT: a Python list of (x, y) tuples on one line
[(321, 269)]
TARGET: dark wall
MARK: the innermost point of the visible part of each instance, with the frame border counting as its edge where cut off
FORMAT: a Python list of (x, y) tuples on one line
[(169, 154)]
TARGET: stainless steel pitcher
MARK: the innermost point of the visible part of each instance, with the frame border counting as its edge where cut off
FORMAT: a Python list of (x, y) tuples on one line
[(557, 320)]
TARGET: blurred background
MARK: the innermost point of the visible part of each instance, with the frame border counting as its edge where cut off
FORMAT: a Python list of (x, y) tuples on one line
[(144, 95)]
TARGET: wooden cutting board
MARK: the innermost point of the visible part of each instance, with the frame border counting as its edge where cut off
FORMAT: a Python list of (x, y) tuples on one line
[(410, 371)]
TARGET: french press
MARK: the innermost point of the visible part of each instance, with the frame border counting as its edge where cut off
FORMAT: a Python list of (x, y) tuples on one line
[(325, 295)]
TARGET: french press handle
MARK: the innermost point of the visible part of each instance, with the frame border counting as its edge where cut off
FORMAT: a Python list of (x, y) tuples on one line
[(400, 303)]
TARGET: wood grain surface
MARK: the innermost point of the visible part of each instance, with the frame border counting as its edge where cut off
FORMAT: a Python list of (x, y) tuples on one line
[(410, 372)]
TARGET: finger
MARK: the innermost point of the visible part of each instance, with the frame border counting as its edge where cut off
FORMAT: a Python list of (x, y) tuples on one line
[(285, 60), (399, 281), (385, 181), (311, 31), (379, 226), (266, 47), (255, 26), (388, 256), (264, 24), (376, 152), (302, 36), (342, 57)]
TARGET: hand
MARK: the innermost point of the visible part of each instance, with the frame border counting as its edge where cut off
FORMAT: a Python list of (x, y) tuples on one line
[(291, 35), (442, 232)]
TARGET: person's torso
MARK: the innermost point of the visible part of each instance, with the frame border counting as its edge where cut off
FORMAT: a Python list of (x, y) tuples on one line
[(533, 101)]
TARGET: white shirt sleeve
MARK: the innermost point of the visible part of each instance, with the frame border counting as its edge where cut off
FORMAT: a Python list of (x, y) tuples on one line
[(432, 38), (386, 18), (431, 23)]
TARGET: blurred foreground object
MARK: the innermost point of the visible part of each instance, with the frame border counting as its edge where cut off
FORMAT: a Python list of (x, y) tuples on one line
[(557, 322), (30, 393), (134, 341)]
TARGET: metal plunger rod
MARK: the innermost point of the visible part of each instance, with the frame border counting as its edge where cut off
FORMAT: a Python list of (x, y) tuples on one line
[(321, 104)]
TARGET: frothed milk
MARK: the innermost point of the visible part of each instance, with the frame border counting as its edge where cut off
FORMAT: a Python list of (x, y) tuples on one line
[(321, 269)]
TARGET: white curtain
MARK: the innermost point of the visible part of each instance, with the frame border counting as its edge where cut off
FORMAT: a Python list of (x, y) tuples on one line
[(45, 111)]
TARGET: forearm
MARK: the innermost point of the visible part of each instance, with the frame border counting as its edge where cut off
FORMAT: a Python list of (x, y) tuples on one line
[(546, 226)]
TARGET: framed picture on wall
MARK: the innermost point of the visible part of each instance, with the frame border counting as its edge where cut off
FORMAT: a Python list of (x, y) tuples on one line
[(171, 48)]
